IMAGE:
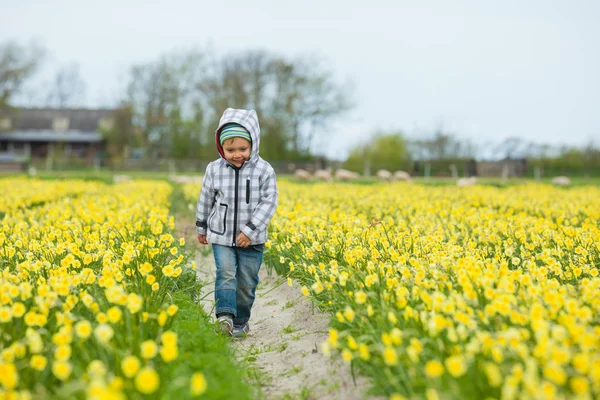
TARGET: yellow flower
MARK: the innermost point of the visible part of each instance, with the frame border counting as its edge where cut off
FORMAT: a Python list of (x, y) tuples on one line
[(173, 250), (198, 384), (456, 366), (169, 353), (434, 369), (5, 314), (62, 352), (349, 314), (148, 349), (35, 343), (114, 314), (305, 291), (352, 345), (96, 368), (555, 373), (169, 338), (83, 329), (370, 311), (181, 241), (172, 310), (38, 362), (9, 376), (360, 297), (347, 356), (130, 366), (18, 309), (155, 286), (390, 356), (61, 370), (147, 380), (317, 287), (162, 318), (102, 318), (493, 373), (579, 385), (134, 302), (104, 333), (363, 351)]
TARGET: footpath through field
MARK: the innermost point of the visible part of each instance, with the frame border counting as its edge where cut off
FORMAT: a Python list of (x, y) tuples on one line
[(284, 342)]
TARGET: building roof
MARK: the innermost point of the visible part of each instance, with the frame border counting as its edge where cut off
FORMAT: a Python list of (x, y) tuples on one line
[(79, 119), (51, 136)]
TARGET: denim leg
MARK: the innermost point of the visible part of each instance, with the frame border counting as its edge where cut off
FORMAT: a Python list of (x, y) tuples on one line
[(249, 261), (226, 282)]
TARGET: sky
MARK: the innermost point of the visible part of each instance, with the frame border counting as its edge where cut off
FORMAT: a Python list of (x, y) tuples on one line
[(482, 70)]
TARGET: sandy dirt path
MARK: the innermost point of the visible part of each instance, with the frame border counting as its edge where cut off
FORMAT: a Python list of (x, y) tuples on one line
[(284, 342)]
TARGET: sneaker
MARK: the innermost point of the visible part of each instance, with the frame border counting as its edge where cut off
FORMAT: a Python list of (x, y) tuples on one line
[(226, 324), (240, 331)]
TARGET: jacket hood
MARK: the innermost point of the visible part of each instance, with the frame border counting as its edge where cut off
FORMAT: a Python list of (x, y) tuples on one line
[(246, 118)]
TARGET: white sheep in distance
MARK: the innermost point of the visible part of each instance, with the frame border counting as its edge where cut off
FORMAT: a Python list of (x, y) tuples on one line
[(384, 175), (323, 174), (466, 181), (402, 176), (121, 178), (302, 175), (561, 181), (345, 175)]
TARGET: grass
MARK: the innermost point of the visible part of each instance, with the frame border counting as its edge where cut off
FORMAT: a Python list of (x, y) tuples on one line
[(201, 349), (289, 329)]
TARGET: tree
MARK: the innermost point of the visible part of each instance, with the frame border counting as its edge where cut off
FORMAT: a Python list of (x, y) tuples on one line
[(17, 64), (294, 99), (384, 151), (68, 88), (178, 100), (162, 94)]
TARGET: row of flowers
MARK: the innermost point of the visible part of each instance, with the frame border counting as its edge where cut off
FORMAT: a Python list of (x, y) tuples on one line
[(85, 283), (476, 292)]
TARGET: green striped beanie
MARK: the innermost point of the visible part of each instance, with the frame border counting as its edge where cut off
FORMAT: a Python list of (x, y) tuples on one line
[(230, 131)]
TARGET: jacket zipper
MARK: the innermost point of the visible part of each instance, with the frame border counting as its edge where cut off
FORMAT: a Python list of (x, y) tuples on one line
[(248, 190), (235, 206)]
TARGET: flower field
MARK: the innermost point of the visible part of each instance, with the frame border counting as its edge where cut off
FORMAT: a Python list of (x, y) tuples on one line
[(446, 292), (91, 286)]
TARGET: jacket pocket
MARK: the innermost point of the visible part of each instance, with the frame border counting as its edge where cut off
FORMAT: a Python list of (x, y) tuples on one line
[(218, 221), (248, 191)]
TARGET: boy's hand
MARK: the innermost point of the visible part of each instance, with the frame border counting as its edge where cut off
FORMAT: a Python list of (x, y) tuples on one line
[(202, 239), (242, 240)]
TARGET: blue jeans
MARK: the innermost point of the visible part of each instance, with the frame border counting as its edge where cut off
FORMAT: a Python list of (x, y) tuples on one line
[(237, 278)]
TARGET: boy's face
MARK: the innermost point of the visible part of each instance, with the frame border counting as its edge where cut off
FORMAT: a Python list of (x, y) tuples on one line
[(237, 150)]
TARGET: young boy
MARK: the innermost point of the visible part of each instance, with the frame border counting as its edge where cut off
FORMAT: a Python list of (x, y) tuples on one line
[(236, 204)]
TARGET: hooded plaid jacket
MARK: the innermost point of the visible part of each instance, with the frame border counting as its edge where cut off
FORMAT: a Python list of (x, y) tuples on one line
[(234, 200)]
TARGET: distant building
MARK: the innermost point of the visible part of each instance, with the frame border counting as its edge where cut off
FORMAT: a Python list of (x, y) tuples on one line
[(39, 133)]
